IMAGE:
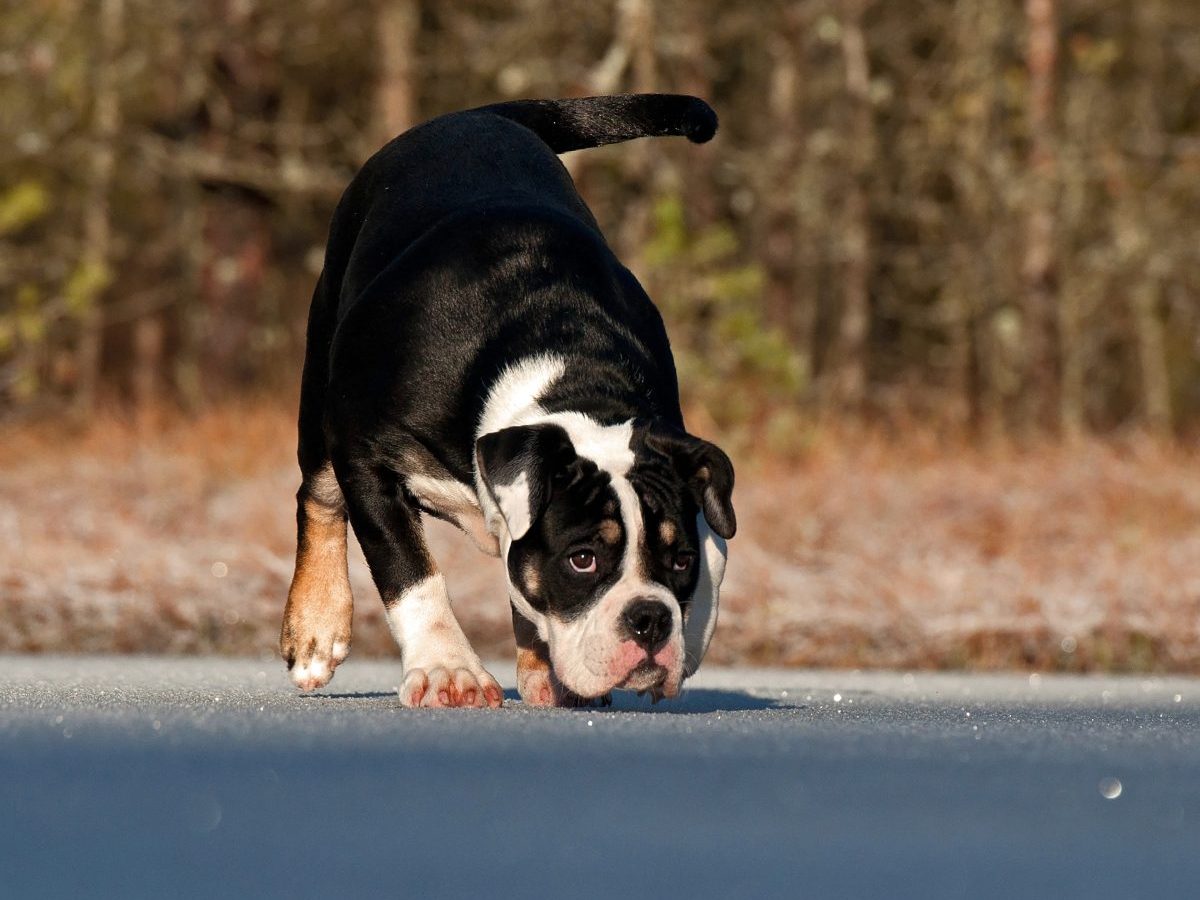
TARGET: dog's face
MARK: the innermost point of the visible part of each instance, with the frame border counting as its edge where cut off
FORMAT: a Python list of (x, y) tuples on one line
[(614, 540)]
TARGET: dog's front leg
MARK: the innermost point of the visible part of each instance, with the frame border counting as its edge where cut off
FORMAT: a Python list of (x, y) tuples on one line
[(535, 676), (440, 666)]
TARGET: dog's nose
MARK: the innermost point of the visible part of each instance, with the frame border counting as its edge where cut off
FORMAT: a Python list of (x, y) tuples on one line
[(648, 623)]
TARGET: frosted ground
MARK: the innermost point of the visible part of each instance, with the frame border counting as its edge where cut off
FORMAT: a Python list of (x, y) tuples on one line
[(861, 552)]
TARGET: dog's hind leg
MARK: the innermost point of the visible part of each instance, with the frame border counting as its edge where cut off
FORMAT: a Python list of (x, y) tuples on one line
[(316, 621), (440, 666)]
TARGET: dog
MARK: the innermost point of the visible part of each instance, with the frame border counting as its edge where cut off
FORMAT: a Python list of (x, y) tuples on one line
[(476, 352)]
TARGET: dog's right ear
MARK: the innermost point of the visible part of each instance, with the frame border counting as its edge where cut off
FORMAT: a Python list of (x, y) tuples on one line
[(517, 465)]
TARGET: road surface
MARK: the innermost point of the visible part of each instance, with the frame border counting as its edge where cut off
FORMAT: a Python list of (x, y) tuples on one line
[(211, 778)]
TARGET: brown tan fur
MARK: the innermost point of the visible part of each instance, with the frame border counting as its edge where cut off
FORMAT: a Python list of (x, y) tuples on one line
[(667, 532), (610, 531), (320, 606), (533, 582), (535, 677)]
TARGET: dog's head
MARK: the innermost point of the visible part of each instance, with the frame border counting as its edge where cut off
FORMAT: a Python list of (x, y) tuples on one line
[(614, 539)]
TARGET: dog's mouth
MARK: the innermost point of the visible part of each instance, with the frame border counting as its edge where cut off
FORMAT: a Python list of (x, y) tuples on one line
[(645, 676)]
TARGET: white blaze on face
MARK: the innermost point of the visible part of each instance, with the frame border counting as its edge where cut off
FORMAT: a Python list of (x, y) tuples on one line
[(590, 654)]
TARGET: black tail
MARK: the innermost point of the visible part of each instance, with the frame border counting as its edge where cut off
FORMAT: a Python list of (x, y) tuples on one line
[(592, 121)]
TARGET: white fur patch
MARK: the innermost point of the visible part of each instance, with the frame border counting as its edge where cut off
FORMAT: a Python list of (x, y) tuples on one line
[(456, 502), (447, 496), (313, 674), (702, 611), (425, 628), (435, 653), (513, 399), (513, 501), (588, 654)]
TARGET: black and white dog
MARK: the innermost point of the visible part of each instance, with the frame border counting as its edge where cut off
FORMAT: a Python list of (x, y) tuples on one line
[(477, 353)]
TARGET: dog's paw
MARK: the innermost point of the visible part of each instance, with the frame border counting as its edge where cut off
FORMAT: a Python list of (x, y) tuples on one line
[(538, 687), (314, 645), (447, 686), (311, 663)]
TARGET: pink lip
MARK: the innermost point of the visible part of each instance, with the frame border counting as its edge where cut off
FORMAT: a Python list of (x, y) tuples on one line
[(666, 657), (629, 657)]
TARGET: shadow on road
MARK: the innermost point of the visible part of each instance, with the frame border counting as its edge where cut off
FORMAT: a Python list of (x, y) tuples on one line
[(700, 700), (695, 701), (351, 695)]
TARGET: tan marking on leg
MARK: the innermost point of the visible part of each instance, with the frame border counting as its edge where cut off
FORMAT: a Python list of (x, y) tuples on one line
[(317, 619), (537, 685), (534, 681)]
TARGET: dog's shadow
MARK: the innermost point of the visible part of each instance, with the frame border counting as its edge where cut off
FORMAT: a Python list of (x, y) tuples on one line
[(693, 701)]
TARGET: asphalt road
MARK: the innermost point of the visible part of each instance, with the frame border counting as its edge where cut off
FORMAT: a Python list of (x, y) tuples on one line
[(212, 778)]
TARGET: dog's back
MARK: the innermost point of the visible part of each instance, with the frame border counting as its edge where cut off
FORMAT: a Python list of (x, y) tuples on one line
[(504, 154)]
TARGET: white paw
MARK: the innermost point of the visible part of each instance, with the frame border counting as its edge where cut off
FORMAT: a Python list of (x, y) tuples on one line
[(450, 686), (312, 660)]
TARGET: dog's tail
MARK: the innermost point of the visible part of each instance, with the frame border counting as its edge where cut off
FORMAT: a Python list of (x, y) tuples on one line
[(593, 121)]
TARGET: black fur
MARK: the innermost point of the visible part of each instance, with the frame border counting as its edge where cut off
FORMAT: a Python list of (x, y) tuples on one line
[(459, 248)]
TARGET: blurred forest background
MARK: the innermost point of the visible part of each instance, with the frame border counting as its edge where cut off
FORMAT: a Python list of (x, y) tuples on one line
[(980, 213), (935, 285)]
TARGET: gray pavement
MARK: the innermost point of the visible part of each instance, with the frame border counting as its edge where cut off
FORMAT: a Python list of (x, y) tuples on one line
[(212, 778)]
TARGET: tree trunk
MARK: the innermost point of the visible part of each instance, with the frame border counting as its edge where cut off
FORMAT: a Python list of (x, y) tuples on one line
[(778, 192), (1152, 355), (636, 25), (399, 23), (979, 26), (851, 363), (1150, 21), (1081, 283), (97, 225), (1040, 314), (697, 81), (148, 356)]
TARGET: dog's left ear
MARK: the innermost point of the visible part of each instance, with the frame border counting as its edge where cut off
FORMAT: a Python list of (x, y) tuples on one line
[(517, 466), (706, 469)]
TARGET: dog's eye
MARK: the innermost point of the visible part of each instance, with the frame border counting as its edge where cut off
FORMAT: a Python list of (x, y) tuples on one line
[(583, 561), (683, 561)]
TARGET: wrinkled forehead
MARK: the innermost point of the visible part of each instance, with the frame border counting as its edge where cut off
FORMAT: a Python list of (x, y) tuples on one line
[(662, 493), (588, 501), (648, 503), (619, 479)]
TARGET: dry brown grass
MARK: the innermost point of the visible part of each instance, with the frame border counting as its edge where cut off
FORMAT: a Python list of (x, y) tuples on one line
[(866, 550)]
